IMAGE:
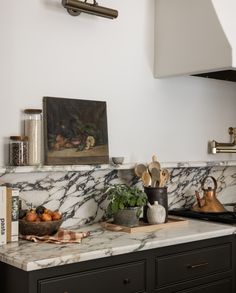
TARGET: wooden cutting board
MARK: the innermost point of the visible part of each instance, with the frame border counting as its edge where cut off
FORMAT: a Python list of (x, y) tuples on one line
[(145, 227)]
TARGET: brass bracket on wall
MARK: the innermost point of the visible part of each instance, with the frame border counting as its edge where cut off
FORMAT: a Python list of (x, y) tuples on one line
[(224, 147), (76, 7)]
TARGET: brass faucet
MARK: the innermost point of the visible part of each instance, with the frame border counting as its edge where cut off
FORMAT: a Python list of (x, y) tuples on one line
[(225, 147)]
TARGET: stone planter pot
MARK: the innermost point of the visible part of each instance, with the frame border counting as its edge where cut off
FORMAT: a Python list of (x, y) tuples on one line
[(128, 217)]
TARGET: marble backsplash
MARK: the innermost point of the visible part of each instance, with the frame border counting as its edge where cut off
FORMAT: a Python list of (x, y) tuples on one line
[(78, 194)]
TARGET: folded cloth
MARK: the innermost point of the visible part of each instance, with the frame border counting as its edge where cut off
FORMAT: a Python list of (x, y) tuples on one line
[(61, 237)]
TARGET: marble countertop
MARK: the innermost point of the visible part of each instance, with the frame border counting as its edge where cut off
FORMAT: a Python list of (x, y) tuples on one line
[(31, 256)]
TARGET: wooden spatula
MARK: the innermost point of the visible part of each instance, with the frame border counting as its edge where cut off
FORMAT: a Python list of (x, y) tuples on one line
[(155, 176), (164, 177), (146, 178)]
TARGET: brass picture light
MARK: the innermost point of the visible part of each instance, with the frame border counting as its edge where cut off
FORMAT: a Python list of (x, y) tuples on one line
[(75, 7)]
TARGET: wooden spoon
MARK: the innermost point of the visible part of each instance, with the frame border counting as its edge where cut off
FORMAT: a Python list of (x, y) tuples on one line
[(155, 176), (164, 177), (154, 164), (146, 178), (140, 169)]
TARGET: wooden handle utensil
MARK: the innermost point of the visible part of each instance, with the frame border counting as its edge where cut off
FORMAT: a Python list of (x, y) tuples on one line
[(154, 164), (146, 178), (155, 176), (164, 177), (140, 169)]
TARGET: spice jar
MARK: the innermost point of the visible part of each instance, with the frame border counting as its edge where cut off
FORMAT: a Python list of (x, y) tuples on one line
[(18, 151), (33, 129)]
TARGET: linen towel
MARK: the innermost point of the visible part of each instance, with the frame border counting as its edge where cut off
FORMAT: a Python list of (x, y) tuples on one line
[(61, 237)]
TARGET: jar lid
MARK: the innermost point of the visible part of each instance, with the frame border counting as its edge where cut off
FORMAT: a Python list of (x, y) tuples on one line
[(20, 137), (33, 111)]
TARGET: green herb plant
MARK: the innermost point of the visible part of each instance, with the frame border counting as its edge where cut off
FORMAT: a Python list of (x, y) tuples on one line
[(122, 196)]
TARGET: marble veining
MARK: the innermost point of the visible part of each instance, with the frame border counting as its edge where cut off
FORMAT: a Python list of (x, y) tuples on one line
[(31, 256), (77, 192), (79, 195), (111, 166)]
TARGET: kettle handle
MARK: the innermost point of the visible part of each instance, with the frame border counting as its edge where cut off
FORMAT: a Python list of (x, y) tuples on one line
[(204, 180)]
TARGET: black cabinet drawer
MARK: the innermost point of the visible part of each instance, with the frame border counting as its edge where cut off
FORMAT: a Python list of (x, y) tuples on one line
[(222, 286), (193, 264), (128, 278)]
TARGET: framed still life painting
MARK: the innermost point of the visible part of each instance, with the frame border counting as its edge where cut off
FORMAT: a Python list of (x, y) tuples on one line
[(75, 131)]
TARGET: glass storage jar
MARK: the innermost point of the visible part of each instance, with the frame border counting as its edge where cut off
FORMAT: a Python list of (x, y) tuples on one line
[(18, 151), (33, 129)]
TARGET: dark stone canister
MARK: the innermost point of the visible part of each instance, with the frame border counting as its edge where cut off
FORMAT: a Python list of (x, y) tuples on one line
[(156, 194)]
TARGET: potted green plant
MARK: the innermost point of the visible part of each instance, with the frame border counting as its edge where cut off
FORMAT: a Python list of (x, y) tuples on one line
[(126, 203)]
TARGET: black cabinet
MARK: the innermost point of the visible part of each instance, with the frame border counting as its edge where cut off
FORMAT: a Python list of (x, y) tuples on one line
[(206, 266)]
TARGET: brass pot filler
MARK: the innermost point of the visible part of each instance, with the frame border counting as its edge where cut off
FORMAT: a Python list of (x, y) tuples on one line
[(224, 147)]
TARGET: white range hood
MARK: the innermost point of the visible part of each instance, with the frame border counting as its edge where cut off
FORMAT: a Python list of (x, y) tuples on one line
[(195, 37)]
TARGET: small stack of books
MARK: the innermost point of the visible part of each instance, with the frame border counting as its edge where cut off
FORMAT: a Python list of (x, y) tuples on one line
[(9, 214)]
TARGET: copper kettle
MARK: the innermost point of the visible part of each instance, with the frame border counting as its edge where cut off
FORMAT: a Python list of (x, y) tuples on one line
[(208, 203)]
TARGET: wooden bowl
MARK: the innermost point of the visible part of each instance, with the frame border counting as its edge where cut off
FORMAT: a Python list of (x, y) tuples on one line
[(39, 228)]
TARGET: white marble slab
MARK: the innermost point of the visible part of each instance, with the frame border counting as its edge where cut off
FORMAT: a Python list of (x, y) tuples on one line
[(31, 256), (127, 166), (80, 197)]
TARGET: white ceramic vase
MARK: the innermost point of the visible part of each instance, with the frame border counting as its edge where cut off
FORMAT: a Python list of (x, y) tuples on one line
[(156, 213)]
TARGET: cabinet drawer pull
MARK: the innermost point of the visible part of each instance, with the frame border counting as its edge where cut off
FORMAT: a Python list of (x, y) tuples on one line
[(202, 264), (126, 281)]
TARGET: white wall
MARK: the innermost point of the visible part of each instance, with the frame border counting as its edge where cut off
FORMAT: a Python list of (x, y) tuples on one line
[(45, 51)]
